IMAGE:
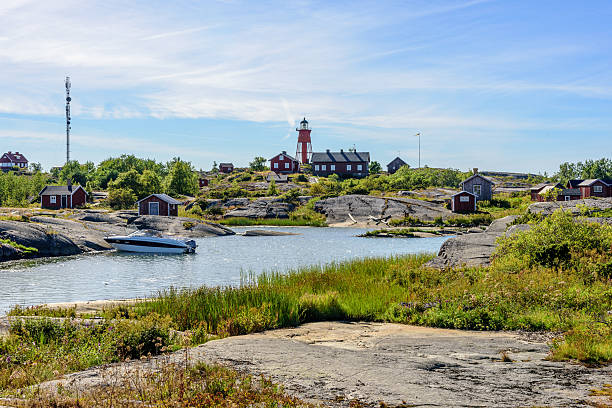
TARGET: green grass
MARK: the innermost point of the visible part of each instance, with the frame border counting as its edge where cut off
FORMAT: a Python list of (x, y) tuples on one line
[(402, 232), (468, 220), (25, 249), (278, 222)]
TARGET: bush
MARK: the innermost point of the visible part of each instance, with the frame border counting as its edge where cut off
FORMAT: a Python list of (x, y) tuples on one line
[(121, 199)]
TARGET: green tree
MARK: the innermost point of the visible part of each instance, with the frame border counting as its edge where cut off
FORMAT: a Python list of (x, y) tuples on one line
[(35, 167), (130, 180), (375, 167), (121, 198), (258, 164), (75, 173), (181, 178), (150, 183), (272, 190)]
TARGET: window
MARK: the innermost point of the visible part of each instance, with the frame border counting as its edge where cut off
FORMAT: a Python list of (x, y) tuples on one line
[(323, 167), (464, 199), (286, 165), (276, 165), (359, 167), (597, 189), (477, 189), (567, 198), (316, 167), (52, 199), (348, 167), (332, 167)]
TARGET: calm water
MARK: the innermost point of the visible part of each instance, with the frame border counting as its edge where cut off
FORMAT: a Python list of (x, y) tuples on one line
[(218, 261)]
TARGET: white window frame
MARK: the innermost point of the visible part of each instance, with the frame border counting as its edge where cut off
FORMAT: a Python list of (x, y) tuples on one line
[(286, 165), (324, 167), (464, 199), (348, 167), (276, 165), (597, 189), (53, 199), (477, 190), (359, 167), (568, 198), (316, 167), (332, 167)]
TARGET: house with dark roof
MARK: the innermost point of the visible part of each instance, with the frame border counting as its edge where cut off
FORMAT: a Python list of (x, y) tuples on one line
[(595, 188), (574, 183), (158, 204), (226, 167), (10, 160), (283, 163), (344, 164), (479, 185), (395, 165), (56, 197)]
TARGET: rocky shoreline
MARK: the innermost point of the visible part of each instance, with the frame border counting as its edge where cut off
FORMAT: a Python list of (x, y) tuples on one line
[(83, 231)]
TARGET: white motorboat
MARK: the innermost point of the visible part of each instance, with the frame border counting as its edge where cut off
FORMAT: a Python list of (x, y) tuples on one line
[(151, 242)]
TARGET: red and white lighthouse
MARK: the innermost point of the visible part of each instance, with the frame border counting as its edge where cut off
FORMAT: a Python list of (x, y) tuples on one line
[(304, 146)]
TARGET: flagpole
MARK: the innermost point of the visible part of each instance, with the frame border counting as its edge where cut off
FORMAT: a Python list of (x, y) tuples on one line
[(419, 135)]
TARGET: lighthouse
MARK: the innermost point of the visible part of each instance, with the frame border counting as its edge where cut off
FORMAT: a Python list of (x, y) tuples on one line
[(304, 146)]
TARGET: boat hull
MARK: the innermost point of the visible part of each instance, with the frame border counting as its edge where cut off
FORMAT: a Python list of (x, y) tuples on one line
[(150, 245)]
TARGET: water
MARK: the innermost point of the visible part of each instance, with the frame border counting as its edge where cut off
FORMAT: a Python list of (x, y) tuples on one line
[(218, 261)]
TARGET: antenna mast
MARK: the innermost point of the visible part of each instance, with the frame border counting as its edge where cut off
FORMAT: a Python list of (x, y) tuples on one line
[(68, 99)]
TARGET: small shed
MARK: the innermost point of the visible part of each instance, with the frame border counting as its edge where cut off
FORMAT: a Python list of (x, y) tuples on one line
[(480, 186), (158, 204), (463, 202), (395, 165), (226, 167), (203, 182), (56, 197)]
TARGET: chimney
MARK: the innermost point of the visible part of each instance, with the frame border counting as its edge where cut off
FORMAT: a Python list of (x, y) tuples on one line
[(10, 152), (16, 152), (69, 185), (327, 150), (284, 152), (341, 150), (475, 170)]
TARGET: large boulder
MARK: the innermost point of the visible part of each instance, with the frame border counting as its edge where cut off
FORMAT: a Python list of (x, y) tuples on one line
[(188, 227), (362, 207), (472, 249), (45, 238), (263, 208), (575, 206)]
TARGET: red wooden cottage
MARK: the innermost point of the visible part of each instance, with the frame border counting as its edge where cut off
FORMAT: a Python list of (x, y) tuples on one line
[(203, 182), (595, 188), (10, 160), (158, 204), (283, 163), (463, 202), (226, 167), (56, 197)]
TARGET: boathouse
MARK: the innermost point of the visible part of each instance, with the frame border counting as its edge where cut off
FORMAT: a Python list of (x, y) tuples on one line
[(56, 197), (158, 204), (463, 202)]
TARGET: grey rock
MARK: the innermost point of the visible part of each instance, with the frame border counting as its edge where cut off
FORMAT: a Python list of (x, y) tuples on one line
[(46, 239), (548, 207), (7, 252), (183, 226), (361, 207), (406, 193), (332, 363), (471, 249), (263, 208)]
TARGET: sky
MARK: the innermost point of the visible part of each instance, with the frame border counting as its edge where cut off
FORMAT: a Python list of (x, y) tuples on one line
[(499, 85)]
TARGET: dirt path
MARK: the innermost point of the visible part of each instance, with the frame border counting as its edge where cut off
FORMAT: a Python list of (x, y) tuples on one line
[(334, 362)]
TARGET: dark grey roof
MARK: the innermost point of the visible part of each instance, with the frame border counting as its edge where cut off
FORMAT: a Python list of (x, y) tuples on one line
[(574, 183), (397, 159), (164, 197), (570, 191), (285, 154), (340, 157), (478, 175), (588, 182), (59, 190), (226, 164)]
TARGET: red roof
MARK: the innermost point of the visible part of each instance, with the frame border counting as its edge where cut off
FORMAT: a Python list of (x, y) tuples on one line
[(11, 157)]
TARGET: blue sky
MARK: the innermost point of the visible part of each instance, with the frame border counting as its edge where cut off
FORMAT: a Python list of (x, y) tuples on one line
[(498, 85)]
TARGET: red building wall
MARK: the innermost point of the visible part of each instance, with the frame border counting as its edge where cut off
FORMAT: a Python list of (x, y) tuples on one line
[(278, 162), (77, 199), (226, 169), (589, 191), (463, 206)]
